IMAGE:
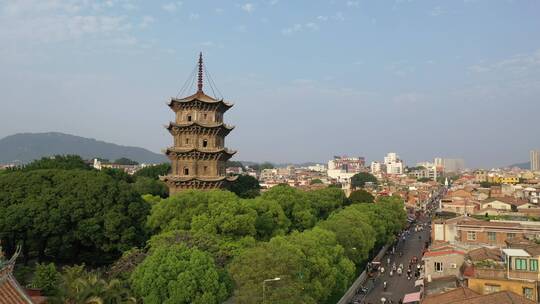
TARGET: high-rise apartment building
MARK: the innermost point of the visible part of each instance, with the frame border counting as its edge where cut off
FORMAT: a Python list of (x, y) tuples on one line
[(393, 164), (535, 160)]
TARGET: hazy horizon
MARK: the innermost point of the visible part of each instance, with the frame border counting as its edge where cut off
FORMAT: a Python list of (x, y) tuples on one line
[(309, 79)]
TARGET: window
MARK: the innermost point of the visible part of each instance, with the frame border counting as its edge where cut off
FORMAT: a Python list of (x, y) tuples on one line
[(187, 141), (490, 288), (521, 264), (528, 293), (186, 171), (492, 236), (471, 235), (533, 265), (438, 266), (189, 118), (205, 116), (510, 236), (205, 143), (205, 168)]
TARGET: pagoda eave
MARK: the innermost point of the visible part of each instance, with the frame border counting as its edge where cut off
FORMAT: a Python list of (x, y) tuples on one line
[(172, 125)]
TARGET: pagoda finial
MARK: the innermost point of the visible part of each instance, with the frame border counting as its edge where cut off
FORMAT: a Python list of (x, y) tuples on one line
[(200, 82)]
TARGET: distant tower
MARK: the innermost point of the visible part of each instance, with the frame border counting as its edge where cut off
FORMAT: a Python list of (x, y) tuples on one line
[(198, 155), (535, 160)]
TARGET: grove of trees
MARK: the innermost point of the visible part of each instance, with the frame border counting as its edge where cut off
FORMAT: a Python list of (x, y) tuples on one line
[(194, 247), (359, 180)]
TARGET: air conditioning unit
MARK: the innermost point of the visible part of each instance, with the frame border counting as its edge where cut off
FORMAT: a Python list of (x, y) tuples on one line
[(453, 266)]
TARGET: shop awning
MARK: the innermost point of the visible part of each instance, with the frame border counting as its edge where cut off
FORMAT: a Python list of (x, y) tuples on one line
[(412, 297)]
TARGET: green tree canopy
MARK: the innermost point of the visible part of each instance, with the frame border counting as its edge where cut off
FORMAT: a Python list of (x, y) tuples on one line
[(360, 179), (311, 266), (353, 233), (361, 196), (180, 275), (46, 278), (146, 185), (125, 161), (74, 215), (271, 220), (64, 162), (177, 212), (153, 171), (295, 204), (245, 186)]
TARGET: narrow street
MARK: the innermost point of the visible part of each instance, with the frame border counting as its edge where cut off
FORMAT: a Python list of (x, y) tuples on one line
[(399, 285)]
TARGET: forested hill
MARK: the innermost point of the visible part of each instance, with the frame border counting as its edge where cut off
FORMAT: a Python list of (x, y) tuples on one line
[(25, 147)]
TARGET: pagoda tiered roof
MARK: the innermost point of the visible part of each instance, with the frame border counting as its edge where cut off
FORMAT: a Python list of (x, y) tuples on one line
[(199, 124), (202, 97)]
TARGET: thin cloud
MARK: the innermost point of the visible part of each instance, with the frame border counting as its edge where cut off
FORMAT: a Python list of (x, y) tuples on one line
[(353, 3), (146, 21), (172, 7), (437, 11), (248, 7)]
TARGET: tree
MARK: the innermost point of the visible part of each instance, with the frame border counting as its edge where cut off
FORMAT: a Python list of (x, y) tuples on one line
[(232, 163), (325, 201), (353, 233), (125, 161), (80, 286), (360, 179), (424, 179), (153, 171), (146, 185), (271, 219), (46, 278), (178, 274), (260, 167), (316, 181), (311, 266), (118, 174), (277, 258), (177, 212), (64, 162), (245, 186), (70, 215), (295, 204), (361, 196)]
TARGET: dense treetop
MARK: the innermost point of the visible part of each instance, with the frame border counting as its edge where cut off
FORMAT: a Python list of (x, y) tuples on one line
[(360, 179)]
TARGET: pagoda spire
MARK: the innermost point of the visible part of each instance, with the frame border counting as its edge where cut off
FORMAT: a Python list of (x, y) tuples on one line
[(200, 79)]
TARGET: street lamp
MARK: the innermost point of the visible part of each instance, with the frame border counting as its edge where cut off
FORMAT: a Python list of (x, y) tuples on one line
[(264, 282)]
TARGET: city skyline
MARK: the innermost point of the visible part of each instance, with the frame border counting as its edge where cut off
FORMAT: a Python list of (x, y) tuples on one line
[(407, 78)]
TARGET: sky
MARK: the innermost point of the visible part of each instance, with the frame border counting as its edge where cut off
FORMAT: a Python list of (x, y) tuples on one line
[(309, 79)]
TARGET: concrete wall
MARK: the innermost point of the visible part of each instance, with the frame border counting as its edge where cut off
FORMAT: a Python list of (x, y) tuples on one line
[(479, 285), (347, 297), (448, 262)]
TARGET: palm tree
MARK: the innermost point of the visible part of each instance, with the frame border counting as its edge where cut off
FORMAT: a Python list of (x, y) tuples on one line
[(79, 286)]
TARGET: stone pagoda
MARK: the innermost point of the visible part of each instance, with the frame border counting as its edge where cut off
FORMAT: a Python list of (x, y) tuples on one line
[(198, 155)]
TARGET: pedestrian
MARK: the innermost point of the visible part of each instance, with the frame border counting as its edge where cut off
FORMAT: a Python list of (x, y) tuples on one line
[(388, 261)]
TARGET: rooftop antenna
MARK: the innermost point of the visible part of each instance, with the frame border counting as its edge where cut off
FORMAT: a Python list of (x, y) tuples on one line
[(200, 82)]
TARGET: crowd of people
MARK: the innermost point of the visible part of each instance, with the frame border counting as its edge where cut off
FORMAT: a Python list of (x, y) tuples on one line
[(395, 266)]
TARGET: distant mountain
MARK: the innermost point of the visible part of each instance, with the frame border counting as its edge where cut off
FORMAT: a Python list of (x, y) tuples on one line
[(526, 165), (25, 147)]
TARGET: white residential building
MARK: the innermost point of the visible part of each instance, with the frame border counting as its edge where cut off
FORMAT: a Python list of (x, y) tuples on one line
[(393, 164)]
